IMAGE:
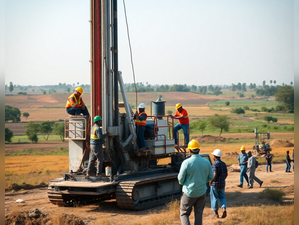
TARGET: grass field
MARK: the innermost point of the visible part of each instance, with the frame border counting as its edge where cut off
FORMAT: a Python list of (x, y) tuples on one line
[(24, 138)]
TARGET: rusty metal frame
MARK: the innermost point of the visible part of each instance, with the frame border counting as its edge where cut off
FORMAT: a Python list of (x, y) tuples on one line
[(67, 130)]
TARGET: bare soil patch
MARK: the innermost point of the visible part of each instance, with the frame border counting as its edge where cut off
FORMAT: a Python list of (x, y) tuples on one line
[(43, 146), (210, 138), (108, 211), (281, 143)]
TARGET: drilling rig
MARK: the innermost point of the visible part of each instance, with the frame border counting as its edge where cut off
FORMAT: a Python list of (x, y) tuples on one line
[(137, 181)]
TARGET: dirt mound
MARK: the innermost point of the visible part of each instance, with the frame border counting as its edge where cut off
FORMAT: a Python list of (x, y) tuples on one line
[(281, 143), (18, 218), (210, 138), (25, 186)]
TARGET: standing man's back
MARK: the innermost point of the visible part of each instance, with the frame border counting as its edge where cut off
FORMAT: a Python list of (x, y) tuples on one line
[(194, 174)]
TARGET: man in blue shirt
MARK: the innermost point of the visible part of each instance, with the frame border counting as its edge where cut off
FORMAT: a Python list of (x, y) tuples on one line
[(243, 158), (218, 184), (96, 152), (195, 173)]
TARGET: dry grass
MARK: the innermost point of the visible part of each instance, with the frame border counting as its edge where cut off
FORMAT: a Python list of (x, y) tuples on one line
[(34, 169), (262, 215)]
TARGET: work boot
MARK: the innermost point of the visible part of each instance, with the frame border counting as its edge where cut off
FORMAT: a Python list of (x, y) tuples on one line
[(261, 183), (87, 176), (240, 185)]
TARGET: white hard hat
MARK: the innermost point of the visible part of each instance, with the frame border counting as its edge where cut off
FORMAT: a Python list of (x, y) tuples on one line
[(217, 152), (141, 105)]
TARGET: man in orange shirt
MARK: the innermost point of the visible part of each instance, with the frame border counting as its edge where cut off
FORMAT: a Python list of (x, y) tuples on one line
[(75, 105), (182, 115)]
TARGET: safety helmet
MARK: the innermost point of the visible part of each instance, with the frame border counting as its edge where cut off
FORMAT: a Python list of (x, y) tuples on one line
[(141, 106), (193, 144), (80, 90), (97, 118), (217, 152), (243, 148), (177, 106)]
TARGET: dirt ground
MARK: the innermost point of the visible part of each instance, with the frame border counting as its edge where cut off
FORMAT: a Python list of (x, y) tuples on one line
[(109, 211)]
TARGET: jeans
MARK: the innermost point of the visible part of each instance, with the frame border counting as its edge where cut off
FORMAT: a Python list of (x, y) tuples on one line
[(288, 167), (186, 208), (268, 164), (77, 111), (96, 154), (185, 128), (140, 136), (243, 174), (214, 195)]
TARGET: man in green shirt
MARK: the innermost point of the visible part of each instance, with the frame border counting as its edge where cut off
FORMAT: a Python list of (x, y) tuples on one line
[(195, 173)]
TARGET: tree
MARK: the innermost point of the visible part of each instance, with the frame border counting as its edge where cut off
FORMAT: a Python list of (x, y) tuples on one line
[(264, 83), (58, 129), (285, 95), (31, 131), (10, 87), (220, 121), (26, 114), (12, 114), (244, 87), (291, 83), (46, 128), (270, 118), (44, 92), (227, 103), (8, 134), (274, 82), (211, 88), (169, 112), (68, 90), (202, 126), (241, 95), (270, 81), (217, 91)]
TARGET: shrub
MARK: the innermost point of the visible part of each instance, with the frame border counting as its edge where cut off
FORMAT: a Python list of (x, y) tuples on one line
[(22, 93), (241, 95), (227, 103), (279, 108), (273, 194), (246, 107), (238, 110)]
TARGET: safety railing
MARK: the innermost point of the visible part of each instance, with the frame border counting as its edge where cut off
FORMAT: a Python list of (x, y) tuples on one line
[(75, 128)]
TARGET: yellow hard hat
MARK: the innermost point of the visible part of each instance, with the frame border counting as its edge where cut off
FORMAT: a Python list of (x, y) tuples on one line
[(243, 148), (80, 90), (193, 144), (177, 106)]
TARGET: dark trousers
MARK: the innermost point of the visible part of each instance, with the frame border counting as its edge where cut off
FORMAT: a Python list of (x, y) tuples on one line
[(186, 208), (77, 111), (268, 164), (96, 154), (140, 136)]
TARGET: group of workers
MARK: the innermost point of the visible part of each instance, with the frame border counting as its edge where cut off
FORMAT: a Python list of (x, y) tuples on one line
[(195, 173), (76, 106)]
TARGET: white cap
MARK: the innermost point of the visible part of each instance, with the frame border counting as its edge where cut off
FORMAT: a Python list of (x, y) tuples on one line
[(217, 152), (141, 105)]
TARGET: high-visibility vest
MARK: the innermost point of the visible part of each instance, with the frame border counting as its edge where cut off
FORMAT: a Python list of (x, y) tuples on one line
[(93, 134), (140, 122), (78, 102)]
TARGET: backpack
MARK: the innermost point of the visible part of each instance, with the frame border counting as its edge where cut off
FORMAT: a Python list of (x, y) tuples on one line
[(256, 163)]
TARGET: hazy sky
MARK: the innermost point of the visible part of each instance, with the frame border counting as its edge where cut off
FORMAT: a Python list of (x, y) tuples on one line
[(174, 42)]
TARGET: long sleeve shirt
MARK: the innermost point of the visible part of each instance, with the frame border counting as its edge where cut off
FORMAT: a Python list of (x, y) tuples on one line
[(194, 174), (242, 158), (99, 136), (251, 162), (288, 159)]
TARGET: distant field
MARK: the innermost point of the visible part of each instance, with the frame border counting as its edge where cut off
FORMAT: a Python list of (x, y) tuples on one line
[(248, 102)]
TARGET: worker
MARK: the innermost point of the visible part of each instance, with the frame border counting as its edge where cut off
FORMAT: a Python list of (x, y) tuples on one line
[(243, 158), (288, 163), (75, 105), (217, 184), (182, 115), (268, 158), (96, 152), (195, 173), (252, 165), (140, 119), (293, 159)]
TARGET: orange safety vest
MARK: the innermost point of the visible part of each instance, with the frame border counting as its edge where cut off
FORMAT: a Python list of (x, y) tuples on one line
[(76, 104), (140, 122)]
